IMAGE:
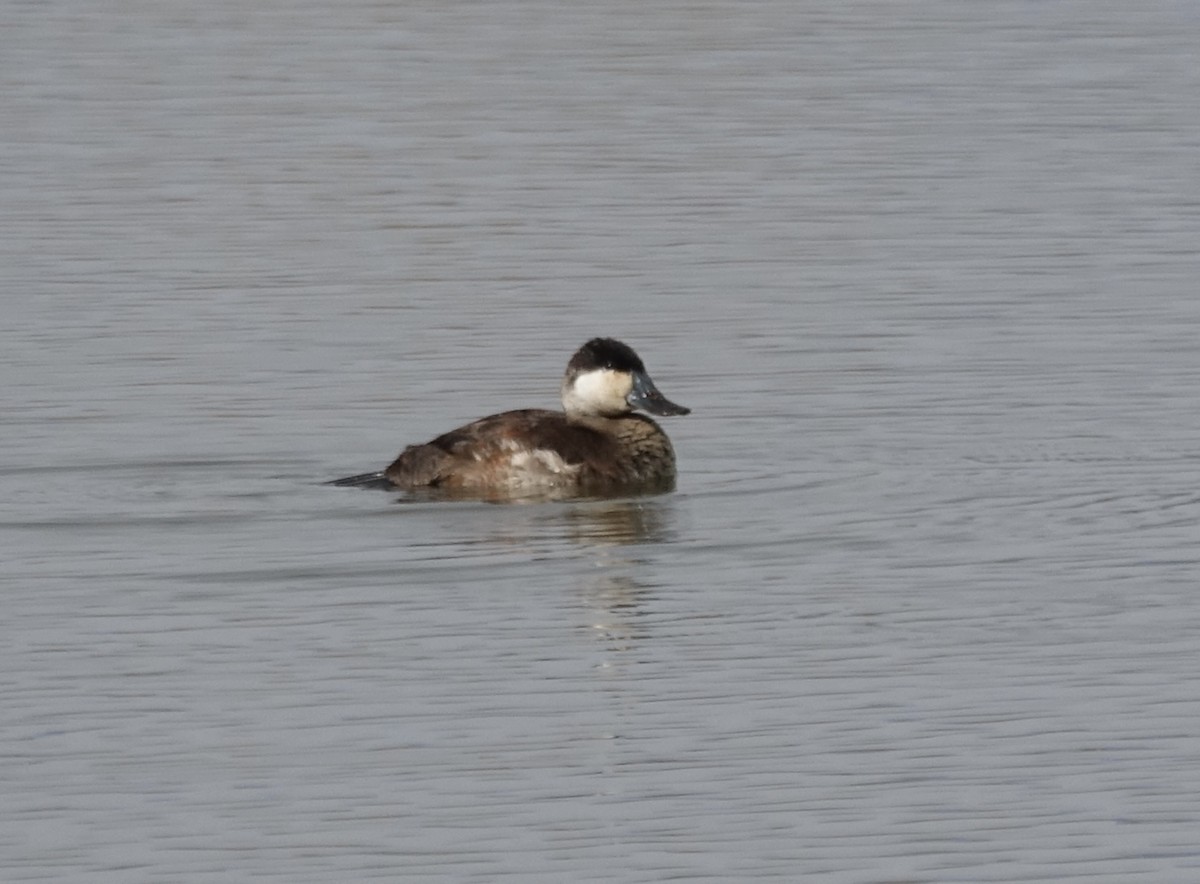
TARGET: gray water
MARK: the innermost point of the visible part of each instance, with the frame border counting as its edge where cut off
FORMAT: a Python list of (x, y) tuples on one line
[(925, 606)]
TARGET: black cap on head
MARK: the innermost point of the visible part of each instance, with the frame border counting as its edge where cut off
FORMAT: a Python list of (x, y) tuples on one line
[(605, 353)]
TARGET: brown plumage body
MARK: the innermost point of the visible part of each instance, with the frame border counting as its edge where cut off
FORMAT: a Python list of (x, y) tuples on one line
[(596, 446), (535, 448)]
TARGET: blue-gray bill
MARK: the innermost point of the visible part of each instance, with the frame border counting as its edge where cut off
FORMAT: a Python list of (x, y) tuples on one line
[(646, 396)]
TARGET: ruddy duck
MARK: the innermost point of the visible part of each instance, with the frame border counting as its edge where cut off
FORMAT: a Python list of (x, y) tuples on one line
[(596, 445)]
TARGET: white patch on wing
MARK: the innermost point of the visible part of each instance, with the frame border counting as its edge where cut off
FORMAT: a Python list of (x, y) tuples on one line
[(540, 467)]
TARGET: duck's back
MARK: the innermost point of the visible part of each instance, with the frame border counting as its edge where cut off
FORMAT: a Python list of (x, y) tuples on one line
[(535, 449)]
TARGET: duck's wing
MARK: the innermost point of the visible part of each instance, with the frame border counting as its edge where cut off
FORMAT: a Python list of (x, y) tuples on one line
[(488, 446)]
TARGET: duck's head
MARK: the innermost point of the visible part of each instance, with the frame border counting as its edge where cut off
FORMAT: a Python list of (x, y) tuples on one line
[(605, 378)]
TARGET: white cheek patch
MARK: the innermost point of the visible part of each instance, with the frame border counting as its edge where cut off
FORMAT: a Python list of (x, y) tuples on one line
[(601, 392), (594, 386)]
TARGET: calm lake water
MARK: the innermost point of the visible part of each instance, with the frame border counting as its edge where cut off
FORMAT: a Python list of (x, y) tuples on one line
[(926, 604)]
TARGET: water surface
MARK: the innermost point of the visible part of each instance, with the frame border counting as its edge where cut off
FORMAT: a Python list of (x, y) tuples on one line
[(923, 607)]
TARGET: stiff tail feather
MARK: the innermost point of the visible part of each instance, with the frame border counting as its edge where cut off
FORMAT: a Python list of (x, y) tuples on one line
[(363, 480)]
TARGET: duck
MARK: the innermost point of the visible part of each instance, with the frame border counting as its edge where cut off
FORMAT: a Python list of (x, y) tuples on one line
[(599, 445)]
